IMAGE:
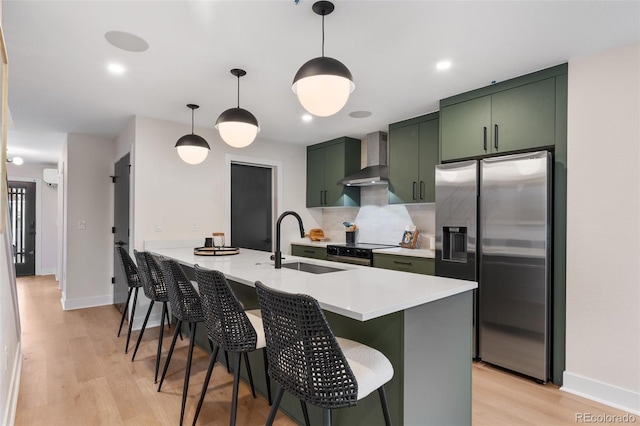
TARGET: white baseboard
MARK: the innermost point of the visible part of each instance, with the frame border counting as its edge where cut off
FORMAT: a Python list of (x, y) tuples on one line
[(86, 302), (47, 271), (9, 417), (603, 393)]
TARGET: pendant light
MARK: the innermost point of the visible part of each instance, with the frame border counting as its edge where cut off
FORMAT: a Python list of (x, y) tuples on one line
[(323, 84), (192, 149), (237, 126)]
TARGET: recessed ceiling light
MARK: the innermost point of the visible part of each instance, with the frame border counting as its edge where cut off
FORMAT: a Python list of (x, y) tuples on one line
[(126, 41), (307, 118), (360, 114), (443, 65), (115, 68)]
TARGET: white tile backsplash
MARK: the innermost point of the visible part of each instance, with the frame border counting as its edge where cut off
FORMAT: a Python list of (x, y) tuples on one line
[(378, 221)]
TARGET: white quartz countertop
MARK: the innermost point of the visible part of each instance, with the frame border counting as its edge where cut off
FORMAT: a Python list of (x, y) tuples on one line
[(357, 292)]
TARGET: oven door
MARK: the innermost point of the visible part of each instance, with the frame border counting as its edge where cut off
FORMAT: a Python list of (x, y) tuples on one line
[(349, 259)]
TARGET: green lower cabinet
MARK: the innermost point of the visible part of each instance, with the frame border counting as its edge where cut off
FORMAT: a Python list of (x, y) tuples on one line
[(309, 251), (417, 265)]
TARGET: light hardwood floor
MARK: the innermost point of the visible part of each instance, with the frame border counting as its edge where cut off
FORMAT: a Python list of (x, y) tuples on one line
[(75, 372)]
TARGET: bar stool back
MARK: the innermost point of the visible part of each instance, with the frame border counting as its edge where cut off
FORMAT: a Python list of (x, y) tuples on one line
[(133, 282), (156, 290), (230, 328), (187, 307), (308, 361)]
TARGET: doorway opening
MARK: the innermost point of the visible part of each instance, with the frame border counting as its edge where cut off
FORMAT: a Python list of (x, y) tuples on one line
[(22, 216), (120, 228), (251, 206)]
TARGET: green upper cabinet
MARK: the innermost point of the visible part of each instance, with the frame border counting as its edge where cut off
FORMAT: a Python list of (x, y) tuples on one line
[(413, 155), (515, 115), (327, 163), (470, 139)]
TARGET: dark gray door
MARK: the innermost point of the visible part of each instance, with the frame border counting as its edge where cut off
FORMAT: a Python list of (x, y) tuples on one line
[(22, 211), (251, 207), (121, 228)]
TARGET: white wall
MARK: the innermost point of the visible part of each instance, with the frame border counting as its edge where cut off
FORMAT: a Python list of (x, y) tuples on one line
[(603, 228), (10, 352), (176, 195), (89, 200), (46, 216)]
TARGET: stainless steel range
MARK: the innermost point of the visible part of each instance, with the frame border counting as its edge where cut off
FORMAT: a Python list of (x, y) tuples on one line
[(358, 254)]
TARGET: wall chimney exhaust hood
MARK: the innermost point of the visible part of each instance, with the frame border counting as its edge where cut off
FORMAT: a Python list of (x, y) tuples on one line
[(377, 171)]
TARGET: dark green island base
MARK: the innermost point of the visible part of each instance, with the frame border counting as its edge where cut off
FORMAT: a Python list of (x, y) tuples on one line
[(430, 349)]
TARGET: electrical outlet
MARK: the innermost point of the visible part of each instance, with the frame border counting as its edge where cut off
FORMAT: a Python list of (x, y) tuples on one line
[(194, 227), (158, 226), (82, 225)]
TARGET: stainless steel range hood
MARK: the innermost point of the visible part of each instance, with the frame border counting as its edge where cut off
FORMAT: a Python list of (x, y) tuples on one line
[(377, 171)]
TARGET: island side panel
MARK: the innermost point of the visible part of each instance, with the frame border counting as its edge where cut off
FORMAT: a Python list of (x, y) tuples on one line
[(437, 362)]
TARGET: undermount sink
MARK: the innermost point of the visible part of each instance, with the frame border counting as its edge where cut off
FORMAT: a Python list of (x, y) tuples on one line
[(310, 267)]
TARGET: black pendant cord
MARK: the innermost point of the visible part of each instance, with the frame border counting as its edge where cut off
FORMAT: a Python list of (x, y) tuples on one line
[(238, 91), (192, 110), (323, 36)]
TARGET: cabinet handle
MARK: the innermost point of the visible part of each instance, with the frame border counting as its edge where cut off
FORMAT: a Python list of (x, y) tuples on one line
[(321, 197), (485, 138), (397, 262), (415, 187), (495, 136), (325, 197), (422, 190)]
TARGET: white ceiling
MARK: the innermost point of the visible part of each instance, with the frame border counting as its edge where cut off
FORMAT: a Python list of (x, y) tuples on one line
[(58, 57)]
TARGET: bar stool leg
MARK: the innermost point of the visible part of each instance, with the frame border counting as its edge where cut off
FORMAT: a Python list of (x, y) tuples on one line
[(246, 361), (160, 337), (385, 406), (305, 413), (212, 362), (124, 311), (144, 327), (133, 315), (326, 417), (266, 373), (274, 407), (234, 400), (173, 344), (187, 373)]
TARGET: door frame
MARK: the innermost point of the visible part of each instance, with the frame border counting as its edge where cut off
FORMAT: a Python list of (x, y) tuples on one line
[(38, 182), (277, 188)]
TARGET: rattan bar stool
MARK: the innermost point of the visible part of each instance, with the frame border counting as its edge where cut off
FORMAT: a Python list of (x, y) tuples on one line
[(134, 283), (231, 329), (187, 307), (308, 361), (156, 291)]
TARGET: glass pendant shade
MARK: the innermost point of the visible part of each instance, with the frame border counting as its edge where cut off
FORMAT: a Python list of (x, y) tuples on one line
[(323, 86), (192, 149), (237, 127)]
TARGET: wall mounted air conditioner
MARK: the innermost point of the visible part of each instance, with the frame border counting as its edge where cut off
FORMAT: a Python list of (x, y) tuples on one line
[(50, 176)]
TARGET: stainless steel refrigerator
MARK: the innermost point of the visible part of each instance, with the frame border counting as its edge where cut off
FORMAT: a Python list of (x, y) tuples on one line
[(493, 225)]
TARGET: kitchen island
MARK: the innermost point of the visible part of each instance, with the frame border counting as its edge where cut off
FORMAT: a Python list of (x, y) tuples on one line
[(421, 323)]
